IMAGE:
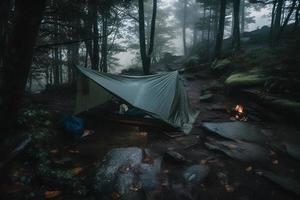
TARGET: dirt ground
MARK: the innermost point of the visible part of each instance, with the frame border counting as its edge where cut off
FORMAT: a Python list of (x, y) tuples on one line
[(228, 178)]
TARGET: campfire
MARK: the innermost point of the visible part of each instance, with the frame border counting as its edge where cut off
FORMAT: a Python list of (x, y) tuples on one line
[(238, 113)]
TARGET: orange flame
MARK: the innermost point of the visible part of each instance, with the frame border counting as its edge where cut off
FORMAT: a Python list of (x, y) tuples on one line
[(239, 109)]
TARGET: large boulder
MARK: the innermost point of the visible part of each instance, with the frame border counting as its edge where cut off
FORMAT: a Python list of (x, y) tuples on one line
[(195, 173), (246, 79)]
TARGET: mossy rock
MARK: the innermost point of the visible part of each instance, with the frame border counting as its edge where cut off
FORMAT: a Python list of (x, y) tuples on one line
[(220, 65), (284, 104), (246, 79)]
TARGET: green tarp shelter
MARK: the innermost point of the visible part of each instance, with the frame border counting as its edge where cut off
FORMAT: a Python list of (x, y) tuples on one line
[(162, 96)]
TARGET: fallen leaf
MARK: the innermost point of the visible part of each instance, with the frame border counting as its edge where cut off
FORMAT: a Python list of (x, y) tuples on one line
[(87, 133), (229, 188), (74, 151), (77, 170), (203, 161), (232, 146), (275, 162), (144, 134), (115, 195), (248, 169), (147, 159), (54, 151), (52, 194)]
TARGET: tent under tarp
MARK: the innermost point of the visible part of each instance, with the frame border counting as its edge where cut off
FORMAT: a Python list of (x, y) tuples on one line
[(162, 96)]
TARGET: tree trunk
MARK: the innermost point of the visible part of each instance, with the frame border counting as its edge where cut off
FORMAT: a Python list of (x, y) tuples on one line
[(209, 33), (104, 49), (203, 30), (89, 32), (236, 42), (297, 16), (272, 21), (277, 21), (96, 58), (287, 19), (184, 28), (216, 20), (18, 58), (4, 15), (220, 32), (56, 67), (142, 38), (152, 31), (69, 63), (243, 16)]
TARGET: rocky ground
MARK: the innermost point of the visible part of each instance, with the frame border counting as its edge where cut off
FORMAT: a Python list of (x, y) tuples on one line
[(222, 158)]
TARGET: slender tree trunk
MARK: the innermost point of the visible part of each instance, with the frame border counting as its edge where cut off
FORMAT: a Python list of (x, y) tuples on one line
[(142, 36), (287, 19), (30, 81), (4, 15), (56, 67), (209, 33), (297, 16), (96, 58), (272, 21), (277, 21), (18, 58), (89, 31), (195, 38), (220, 32), (236, 42), (243, 16), (203, 30), (152, 31), (61, 72), (104, 49), (47, 75), (51, 75), (216, 20), (184, 28), (69, 63)]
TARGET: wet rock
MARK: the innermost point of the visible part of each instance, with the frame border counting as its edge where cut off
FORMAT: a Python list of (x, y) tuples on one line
[(293, 150), (195, 173), (123, 182), (179, 192), (175, 157), (243, 151), (236, 131), (112, 162), (286, 183), (148, 175), (206, 97)]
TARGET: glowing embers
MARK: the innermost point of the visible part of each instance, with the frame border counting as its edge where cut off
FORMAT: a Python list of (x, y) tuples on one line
[(238, 113)]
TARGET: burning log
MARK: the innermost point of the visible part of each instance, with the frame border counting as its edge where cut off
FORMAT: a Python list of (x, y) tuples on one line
[(238, 113)]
